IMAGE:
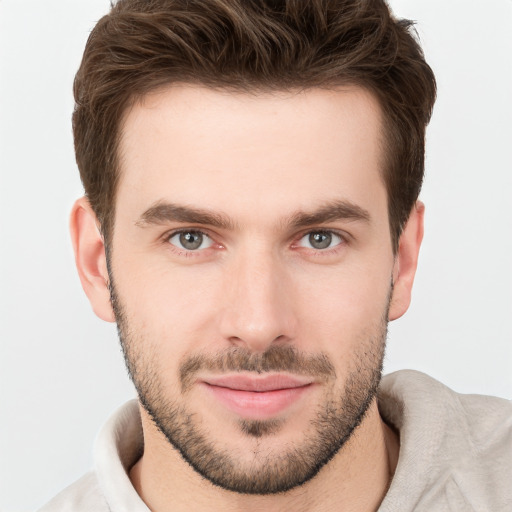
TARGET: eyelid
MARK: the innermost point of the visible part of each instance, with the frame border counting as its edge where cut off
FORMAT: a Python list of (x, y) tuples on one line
[(345, 237), (344, 240), (166, 238), (188, 229)]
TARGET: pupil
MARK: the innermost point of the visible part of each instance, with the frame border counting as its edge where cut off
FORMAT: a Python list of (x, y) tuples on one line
[(320, 240), (191, 240)]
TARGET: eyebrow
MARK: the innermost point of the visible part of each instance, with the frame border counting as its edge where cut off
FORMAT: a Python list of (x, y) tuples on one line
[(330, 212), (163, 212)]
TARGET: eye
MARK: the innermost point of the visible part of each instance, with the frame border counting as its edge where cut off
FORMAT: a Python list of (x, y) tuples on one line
[(319, 240), (190, 240)]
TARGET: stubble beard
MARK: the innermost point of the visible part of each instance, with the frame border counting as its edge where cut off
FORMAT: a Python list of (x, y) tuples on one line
[(269, 472)]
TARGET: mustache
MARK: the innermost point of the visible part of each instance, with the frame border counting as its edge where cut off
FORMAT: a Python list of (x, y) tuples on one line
[(277, 358)]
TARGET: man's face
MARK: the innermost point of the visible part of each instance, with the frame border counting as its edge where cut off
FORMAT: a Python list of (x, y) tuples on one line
[(251, 270)]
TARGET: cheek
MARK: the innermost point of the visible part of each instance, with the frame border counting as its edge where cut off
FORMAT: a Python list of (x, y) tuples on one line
[(345, 306), (171, 310)]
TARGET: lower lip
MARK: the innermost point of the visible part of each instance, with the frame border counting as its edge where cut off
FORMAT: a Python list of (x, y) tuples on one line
[(257, 405)]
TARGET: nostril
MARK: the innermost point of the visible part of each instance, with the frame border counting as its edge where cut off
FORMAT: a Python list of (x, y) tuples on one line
[(257, 342)]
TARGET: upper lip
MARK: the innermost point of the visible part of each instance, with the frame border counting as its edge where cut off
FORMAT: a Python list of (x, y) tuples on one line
[(258, 383)]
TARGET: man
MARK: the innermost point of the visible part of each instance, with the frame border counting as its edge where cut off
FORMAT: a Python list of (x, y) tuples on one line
[(251, 223)]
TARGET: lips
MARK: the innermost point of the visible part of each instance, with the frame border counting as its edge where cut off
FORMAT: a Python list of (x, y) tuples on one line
[(257, 397)]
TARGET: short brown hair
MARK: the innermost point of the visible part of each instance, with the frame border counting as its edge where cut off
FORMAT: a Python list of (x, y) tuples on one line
[(251, 45)]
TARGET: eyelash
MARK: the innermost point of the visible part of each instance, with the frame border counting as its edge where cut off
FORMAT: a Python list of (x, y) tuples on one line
[(184, 252), (344, 240), (317, 252)]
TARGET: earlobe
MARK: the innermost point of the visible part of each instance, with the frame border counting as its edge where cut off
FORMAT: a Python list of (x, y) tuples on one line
[(406, 262), (90, 258)]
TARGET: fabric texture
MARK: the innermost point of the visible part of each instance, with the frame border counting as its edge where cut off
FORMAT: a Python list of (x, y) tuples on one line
[(455, 453)]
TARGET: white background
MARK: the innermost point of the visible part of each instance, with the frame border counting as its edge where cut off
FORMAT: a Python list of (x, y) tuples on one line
[(61, 371)]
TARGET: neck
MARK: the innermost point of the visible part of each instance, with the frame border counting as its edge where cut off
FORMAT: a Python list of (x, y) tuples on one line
[(356, 479)]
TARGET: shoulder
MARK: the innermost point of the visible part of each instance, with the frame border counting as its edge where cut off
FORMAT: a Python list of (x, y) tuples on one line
[(410, 395), (83, 495), (455, 449), (118, 446)]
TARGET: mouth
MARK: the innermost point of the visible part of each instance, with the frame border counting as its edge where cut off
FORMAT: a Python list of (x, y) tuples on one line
[(257, 397)]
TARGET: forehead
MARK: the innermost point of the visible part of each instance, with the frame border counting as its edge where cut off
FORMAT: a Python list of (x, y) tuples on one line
[(245, 152)]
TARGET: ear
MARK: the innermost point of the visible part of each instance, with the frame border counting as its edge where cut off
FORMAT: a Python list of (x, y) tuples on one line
[(90, 258), (406, 262)]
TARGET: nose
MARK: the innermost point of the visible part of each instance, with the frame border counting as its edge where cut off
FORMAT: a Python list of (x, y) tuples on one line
[(258, 301)]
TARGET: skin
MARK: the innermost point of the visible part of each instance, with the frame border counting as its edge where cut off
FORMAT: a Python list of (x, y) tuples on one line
[(257, 283)]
